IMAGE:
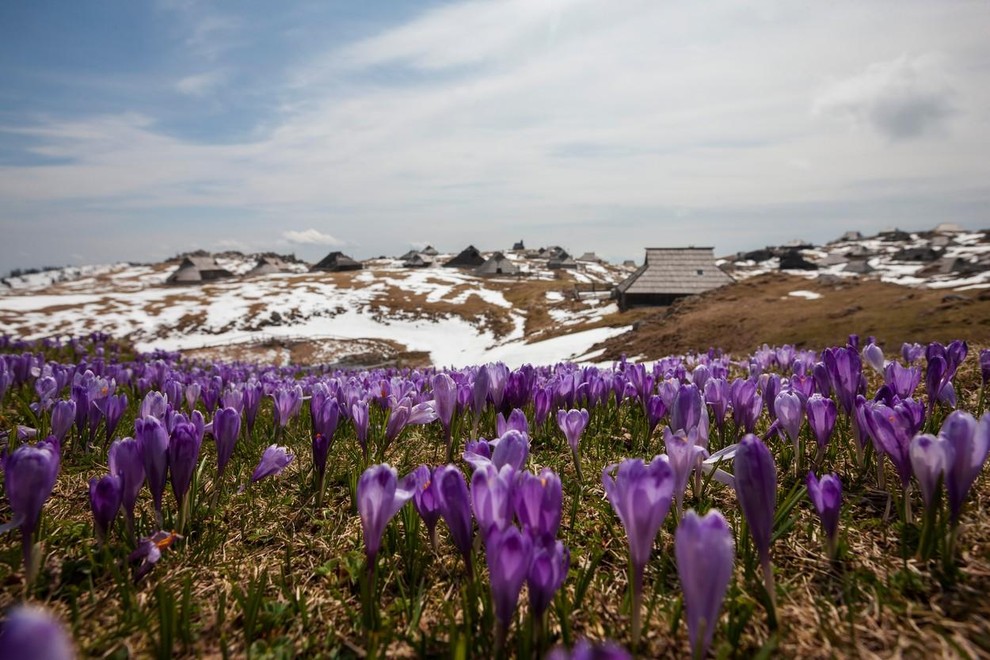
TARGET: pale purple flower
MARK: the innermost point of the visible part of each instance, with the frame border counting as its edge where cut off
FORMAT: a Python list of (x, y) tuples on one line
[(705, 555), (273, 461)]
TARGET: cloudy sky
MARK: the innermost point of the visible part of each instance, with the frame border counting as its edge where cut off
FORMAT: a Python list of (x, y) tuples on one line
[(136, 130)]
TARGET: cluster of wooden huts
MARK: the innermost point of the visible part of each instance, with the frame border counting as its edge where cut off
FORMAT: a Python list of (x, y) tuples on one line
[(665, 275)]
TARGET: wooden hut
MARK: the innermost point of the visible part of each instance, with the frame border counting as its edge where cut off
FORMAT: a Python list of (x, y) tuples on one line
[(497, 264), (469, 257), (197, 270), (668, 274), (268, 265), (336, 262)]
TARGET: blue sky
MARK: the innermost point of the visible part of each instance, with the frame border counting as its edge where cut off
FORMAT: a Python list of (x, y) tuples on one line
[(136, 130)]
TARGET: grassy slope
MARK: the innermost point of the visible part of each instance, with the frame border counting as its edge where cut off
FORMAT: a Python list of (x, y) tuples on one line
[(744, 315)]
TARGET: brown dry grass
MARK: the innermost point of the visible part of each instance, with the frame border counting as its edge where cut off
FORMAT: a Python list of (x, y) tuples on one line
[(756, 311)]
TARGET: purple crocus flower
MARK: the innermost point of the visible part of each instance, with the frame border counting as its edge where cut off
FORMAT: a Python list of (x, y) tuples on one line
[(655, 410), (288, 403), (127, 462), (821, 418), (845, 373), (688, 409), (153, 404), (252, 401), (826, 496), (572, 423), (192, 394), (902, 380), (641, 496), (273, 460), (892, 428), (33, 633), (585, 650), (970, 442), (63, 415), (756, 490), (985, 366), (479, 391), (705, 555), (455, 507), (477, 453), (516, 422), (114, 408), (153, 439), (931, 457), (104, 499), (321, 451), (542, 401), (873, 355), (183, 454), (359, 415), (226, 429), (537, 501), (491, 497), (445, 402), (912, 352), (380, 495), (509, 554), (547, 571), (717, 397), (746, 404), (685, 456), (325, 418), (511, 449), (30, 472), (426, 499), (149, 551), (789, 407)]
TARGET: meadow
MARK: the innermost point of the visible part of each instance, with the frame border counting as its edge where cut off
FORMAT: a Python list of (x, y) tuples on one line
[(776, 503)]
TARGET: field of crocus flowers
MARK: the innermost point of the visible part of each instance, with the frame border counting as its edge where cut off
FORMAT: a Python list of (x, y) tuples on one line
[(783, 503)]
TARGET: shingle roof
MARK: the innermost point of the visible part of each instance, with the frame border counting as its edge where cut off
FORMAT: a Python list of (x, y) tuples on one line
[(676, 271)]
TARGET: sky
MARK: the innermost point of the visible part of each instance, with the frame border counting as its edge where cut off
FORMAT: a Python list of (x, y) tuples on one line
[(137, 130)]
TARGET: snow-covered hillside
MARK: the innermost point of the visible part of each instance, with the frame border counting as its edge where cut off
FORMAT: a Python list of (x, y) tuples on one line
[(944, 258), (452, 315)]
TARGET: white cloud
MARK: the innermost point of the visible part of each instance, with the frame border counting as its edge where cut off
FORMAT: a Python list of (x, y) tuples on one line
[(901, 98), (310, 237), (494, 121), (201, 83)]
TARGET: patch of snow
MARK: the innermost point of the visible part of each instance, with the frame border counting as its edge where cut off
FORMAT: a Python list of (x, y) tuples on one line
[(807, 295)]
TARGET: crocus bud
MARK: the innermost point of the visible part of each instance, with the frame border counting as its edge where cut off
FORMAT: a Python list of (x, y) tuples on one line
[(931, 457), (873, 356), (508, 552), (491, 497), (33, 633), (226, 429), (537, 501), (30, 473), (572, 423), (126, 461), (789, 407), (63, 415), (970, 442), (821, 418), (153, 438), (826, 496), (705, 555), (547, 570), (756, 489), (426, 499), (273, 460), (380, 495), (104, 499), (511, 449), (445, 396), (455, 507), (183, 454)]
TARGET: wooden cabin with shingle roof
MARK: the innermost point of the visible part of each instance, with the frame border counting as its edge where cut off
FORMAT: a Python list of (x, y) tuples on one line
[(197, 270), (336, 262), (668, 274), (469, 257)]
